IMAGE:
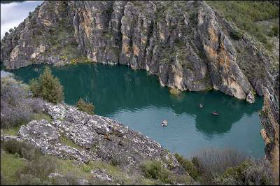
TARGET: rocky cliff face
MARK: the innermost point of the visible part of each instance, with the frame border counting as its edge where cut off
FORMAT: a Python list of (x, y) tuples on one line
[(186, 44), (270, 121)]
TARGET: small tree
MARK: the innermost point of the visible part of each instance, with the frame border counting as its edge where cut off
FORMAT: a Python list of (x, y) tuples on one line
[(85, 107), (47, 87)]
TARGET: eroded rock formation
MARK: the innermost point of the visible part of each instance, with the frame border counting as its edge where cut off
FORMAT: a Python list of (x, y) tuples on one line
[(185, 43), (270, 122), (95, 138)]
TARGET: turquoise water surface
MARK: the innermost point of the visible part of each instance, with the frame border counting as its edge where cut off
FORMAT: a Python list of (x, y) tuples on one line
[(136, 99)]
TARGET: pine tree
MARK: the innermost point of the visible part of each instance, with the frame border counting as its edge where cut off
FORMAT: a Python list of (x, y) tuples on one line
[(47, 87)]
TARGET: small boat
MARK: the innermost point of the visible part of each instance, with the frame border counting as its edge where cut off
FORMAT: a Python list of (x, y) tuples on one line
[(200, 105), (164, 123), (36, 69), (215, 113)]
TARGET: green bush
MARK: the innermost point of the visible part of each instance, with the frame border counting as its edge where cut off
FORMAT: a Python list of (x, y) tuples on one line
[(28, 179), (236, 35), (188, 166), (155, 170), (85, 107), (24, 150), (193, 18), (15, 105), (68, 179), (247, 173), (47, 87), (39, 168), (213, 161), (274, 31), (115, 162)]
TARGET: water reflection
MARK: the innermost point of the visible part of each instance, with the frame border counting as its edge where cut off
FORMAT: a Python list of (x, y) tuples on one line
[(113, 89), (124, 93)]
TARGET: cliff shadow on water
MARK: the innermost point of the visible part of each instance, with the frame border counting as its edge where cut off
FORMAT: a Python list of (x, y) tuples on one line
[(116, 88)]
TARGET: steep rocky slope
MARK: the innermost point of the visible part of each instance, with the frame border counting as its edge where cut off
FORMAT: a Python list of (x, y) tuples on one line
[(104, 149), (186, 44), (270, 121), (96, 138)]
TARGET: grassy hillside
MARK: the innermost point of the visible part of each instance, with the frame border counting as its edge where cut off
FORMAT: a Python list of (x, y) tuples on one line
[(259, 19)]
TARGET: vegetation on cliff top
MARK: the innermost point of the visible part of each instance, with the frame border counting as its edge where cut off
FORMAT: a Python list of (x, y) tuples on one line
[(246, 15)]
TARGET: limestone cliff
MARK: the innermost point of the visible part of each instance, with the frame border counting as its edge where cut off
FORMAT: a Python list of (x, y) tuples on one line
[(270, 121), (186, 44)]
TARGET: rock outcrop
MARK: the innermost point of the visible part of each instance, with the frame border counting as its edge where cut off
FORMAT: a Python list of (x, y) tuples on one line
[(270, 122), (92, 138), (187, 44)]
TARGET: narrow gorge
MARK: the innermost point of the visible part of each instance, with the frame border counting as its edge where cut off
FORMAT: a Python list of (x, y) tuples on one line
[(188, 45)]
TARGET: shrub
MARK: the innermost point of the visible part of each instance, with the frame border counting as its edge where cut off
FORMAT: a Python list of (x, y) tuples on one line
[(236, 35), (249, 172), (14, 107), (10, 164), (85, 107), (34, 171), (24, 150), (115, 162), (47, 87), (155, 170), (211, 162), (68, 179), (188, 166), (194, 18), (274, 31), (12, 146), (36, 104), (12, 116), (40, 167), (28, 179)]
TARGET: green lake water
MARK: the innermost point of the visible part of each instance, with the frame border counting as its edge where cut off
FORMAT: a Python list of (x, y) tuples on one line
[(136, 99)]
